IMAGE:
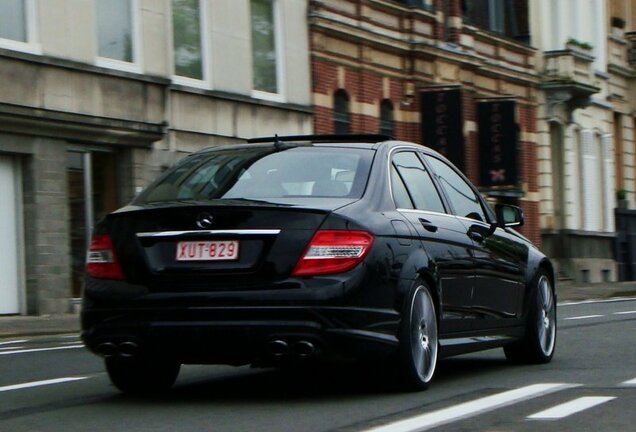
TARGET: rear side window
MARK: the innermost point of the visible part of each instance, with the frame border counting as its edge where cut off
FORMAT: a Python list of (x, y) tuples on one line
[(264, 173), (418, 183), (462, 197)]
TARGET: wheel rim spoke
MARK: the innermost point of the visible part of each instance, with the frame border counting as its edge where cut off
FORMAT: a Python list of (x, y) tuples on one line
[(424, 334), (546, 318)]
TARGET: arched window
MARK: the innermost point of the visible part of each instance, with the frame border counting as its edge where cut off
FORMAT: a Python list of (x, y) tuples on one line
[(386, 117), (341, 120)]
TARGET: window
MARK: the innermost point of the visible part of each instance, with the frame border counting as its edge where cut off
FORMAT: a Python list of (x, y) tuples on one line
[(341, 112), (263, 173), (386, 118), (186, 38), (17, 25), (116, 35), (462, 197), (509, 17), (400, 194), (418, 182), (265, 48)]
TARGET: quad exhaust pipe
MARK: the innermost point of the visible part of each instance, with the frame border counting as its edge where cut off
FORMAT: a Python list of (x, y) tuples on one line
[(302, 348), (124, 349)]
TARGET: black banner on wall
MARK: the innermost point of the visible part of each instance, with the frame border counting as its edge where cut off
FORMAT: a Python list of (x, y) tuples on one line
[(442, 124), (498, 139)]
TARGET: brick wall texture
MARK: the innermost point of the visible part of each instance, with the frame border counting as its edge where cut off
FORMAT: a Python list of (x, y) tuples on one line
[(368, 81)]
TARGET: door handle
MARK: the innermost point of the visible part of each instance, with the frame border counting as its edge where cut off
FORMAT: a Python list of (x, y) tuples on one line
[(476, 236), (428, 226)]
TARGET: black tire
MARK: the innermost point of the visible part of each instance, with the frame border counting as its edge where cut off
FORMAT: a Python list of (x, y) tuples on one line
[(418, 340), (539, 342), (139, 375)]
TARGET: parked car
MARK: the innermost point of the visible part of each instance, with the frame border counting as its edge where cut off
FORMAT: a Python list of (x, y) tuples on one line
[(287, 248)]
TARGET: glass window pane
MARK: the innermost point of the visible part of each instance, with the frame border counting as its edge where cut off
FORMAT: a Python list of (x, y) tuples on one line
[(418, 182), (400, 195), (461, 195), (386, 118), (263, 173), (264, 46), (341, 112), (13, 20), (114, 29), (186, 27)]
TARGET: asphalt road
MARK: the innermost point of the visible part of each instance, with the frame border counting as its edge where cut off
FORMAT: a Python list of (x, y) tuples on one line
[(52, 384)]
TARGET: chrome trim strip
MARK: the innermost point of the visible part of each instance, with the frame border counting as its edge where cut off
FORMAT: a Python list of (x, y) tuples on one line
[(425, 212), (472, 340), (240, 232)]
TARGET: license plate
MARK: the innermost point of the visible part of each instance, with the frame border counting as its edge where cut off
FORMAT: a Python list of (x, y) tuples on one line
[(218, 250)]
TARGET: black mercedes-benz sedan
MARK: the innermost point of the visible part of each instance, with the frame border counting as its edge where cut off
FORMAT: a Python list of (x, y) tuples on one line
[(290, 248)]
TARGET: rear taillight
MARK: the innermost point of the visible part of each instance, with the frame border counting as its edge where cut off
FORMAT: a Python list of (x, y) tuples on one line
[(101, 261), (333, 252)]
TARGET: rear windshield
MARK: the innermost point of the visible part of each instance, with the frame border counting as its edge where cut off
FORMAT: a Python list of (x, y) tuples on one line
[(264, 173)]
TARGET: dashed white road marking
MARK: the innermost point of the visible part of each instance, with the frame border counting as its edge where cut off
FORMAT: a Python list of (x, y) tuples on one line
[(40, 383), (471, 408), (72, 343), (13, 342), (625, 312), (583, 317), (11, 348), (631, 382), (572, 407), (40, 349), (610, 300)]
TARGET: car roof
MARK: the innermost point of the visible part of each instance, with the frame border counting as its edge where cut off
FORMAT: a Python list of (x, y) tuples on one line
[(360, 141)]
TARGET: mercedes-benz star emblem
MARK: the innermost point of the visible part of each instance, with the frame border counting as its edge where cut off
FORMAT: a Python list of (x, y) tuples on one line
[(204, 220)]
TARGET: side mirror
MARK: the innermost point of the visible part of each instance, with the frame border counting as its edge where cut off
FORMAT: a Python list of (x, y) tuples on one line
[(508, 215)]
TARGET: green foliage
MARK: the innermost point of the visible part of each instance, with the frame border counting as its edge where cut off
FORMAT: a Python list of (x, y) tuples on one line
[(576, 43)]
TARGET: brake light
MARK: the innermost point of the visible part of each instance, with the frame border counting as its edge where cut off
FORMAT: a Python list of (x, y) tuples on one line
[(332, 252), (101, 261)]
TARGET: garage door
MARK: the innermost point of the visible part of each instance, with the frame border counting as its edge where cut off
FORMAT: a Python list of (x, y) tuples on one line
[(9, 261)]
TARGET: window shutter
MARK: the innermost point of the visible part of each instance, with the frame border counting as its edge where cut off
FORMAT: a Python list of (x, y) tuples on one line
[(590, 180), (608, 183)]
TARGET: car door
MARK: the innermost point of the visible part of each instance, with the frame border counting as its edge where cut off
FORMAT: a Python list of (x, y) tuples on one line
[(498, 258), (442, 234)]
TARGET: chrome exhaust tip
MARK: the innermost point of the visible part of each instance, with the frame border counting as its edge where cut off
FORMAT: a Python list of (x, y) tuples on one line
[(107, 349), (128, 349), (278, 348), (304, 348)]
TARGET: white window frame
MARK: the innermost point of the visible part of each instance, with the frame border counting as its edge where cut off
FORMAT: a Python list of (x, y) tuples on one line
[(136, 65), (206, 82), (31, 45), (280, 58)]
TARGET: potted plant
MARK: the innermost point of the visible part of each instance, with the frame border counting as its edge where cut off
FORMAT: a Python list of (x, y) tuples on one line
[(621, 198)]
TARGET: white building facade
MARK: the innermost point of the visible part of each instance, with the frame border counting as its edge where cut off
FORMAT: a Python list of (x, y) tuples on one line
[(586, 130), (97, 97)]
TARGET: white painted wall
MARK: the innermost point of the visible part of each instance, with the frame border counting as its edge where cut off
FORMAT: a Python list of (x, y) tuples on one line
[(9, 263)]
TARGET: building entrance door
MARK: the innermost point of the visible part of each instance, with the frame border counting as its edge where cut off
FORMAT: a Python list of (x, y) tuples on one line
[(9, 237), (92, 190)]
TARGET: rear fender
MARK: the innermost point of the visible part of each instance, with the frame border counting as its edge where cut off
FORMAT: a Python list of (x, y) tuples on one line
[(418, 266)]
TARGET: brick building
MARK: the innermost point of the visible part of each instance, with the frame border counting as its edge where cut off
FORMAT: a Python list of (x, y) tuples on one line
[(381, 66)]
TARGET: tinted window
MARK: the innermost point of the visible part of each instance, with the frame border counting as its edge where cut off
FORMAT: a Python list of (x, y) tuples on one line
[(262, 172), (400, 194), (418, 182), (461, 195)]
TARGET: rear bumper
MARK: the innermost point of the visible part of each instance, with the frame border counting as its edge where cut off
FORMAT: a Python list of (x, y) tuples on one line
[(242, 335)]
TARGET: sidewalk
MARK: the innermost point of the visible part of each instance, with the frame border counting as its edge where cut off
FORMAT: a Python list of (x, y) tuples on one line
[(21, 326)]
